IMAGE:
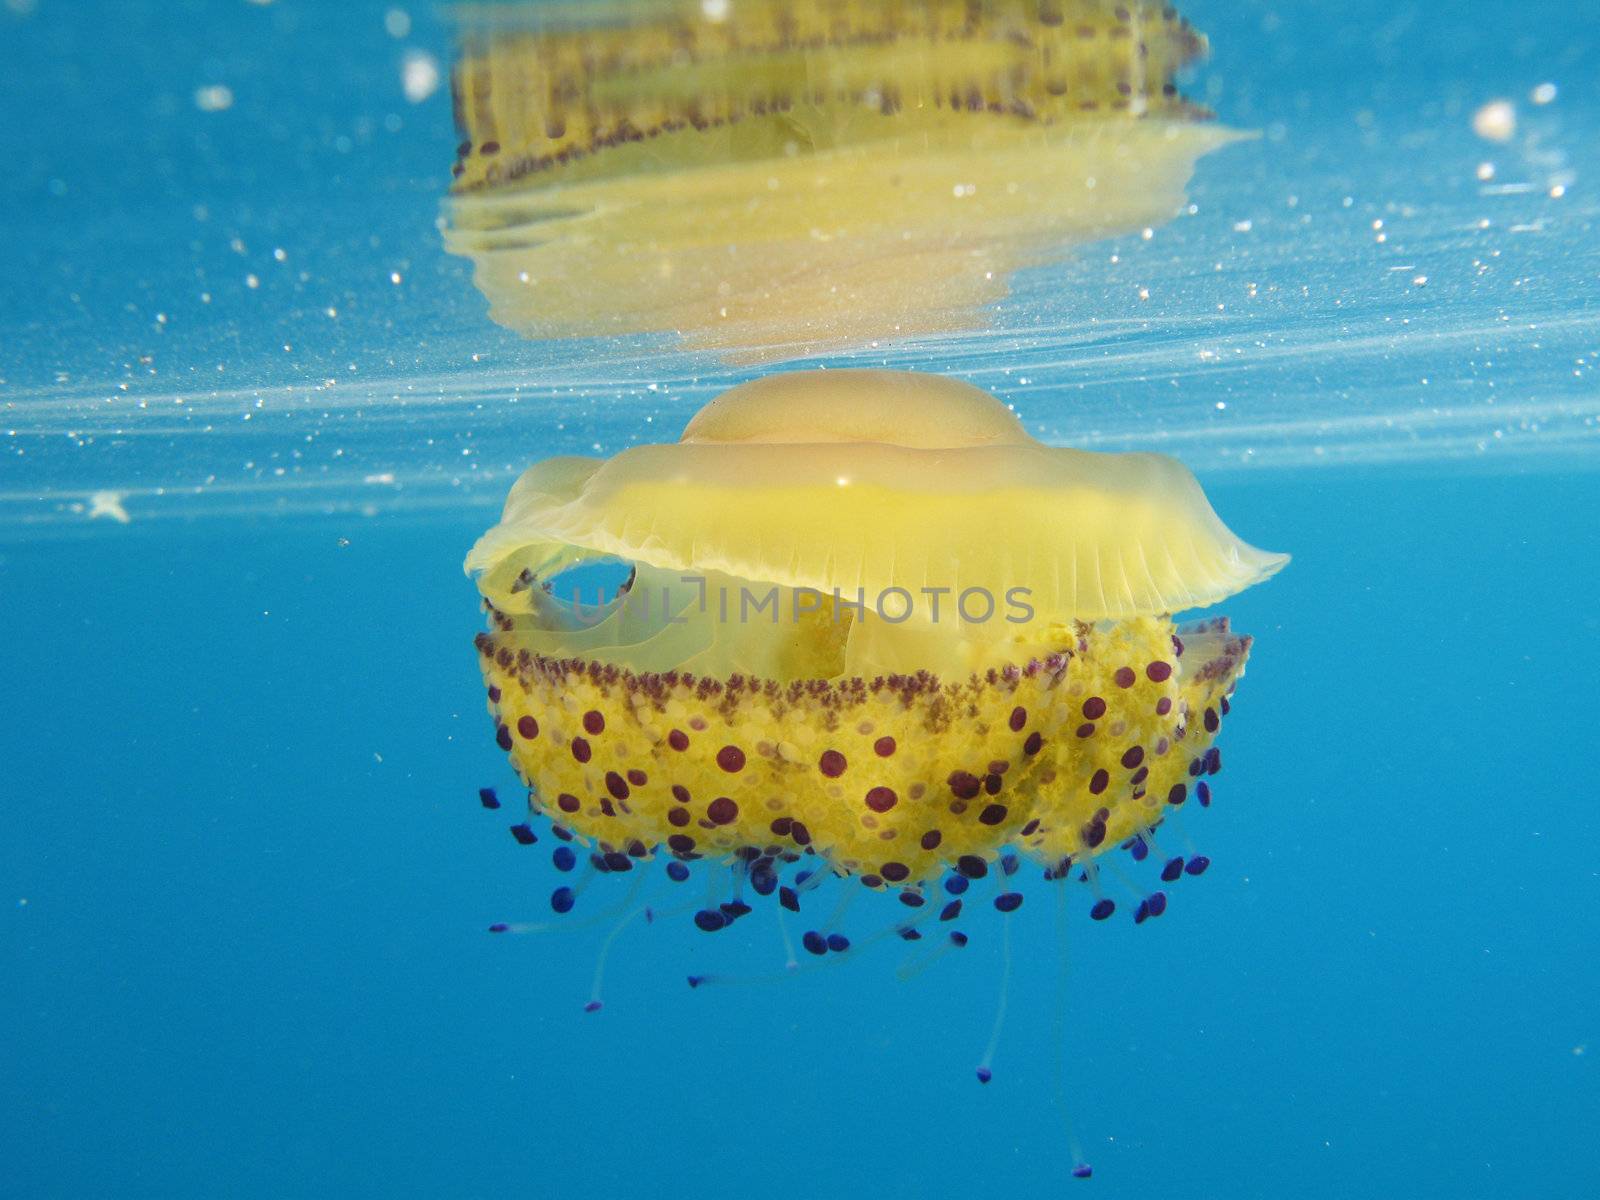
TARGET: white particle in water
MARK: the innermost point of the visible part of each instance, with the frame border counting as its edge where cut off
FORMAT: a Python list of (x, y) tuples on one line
[(215, 97), (419, 75), (1496, 121)]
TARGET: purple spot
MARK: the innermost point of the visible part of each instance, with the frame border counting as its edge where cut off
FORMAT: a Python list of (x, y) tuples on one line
[(964, 785), (487, 798)]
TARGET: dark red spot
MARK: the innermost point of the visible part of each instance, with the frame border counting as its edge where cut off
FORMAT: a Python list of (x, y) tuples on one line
[(1132, 756), (580, 750), (1124, 677), (1094, 708), (567, 802), (895, 872), (1098, 783), (1031, 746), (1163, 706), (502, 737), (593, 723), (722, 811), (1158, 672), (1178, 794), (1019, 718), (965, 785), (678, 740), (681, 843), (527, 727), (638, 778), (931, 839), (616, 785), (883, 747), (1086, 729), (678, 817), (831, 764), (680, 793), (1211, 720), (993, 814), (730, 759), (882, 799)]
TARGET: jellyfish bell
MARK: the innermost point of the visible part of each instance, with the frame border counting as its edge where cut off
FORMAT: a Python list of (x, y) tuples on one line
[(772, 179), (869, 623)]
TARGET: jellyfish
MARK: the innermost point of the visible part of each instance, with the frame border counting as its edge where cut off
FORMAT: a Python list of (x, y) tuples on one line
[(771, 179), (866, 629), (858, 630)]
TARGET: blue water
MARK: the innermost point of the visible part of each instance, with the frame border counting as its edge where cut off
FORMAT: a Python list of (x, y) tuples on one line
[(244, 875)]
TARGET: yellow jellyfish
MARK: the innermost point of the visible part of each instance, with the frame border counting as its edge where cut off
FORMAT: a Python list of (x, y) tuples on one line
[(773, 178), (869, 628)]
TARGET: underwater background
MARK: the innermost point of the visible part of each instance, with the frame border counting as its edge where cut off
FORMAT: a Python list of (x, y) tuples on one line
[(244, 874)]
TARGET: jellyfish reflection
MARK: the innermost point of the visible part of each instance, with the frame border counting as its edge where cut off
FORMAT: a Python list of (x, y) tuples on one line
[(768, 179)]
